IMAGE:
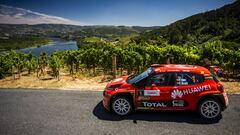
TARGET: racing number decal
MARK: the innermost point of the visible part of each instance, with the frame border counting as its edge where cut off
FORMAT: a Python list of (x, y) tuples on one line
[(151, 92), (148, 93)]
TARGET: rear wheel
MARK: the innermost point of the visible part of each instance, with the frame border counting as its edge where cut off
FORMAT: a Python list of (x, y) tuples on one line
[(122, 106), (210, 109)]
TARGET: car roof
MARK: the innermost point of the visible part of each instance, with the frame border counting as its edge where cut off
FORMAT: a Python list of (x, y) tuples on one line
[(180, 68)]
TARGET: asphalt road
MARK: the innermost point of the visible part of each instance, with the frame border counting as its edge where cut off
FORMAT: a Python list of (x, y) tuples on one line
[(54, 112)]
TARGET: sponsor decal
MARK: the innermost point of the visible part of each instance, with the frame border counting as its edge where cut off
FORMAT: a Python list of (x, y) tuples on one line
[(164, 103), (142, 108), (151, 93), (178, 103), (154, 104), (177, 93), (143, 98)]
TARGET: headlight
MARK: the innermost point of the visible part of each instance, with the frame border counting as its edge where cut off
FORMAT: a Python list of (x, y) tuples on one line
[(112, 87)]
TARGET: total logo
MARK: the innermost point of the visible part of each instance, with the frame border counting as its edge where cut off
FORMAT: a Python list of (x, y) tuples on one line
[(164, 103), (177, 93), (154, 104)]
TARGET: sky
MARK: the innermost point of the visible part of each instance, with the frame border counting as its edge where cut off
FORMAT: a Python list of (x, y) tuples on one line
[(120, 12)]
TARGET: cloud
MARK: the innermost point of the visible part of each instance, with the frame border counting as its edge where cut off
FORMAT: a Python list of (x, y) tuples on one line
[(13, 15)]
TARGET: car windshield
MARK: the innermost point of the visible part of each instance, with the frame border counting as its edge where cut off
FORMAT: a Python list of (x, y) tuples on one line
[(138, 77)]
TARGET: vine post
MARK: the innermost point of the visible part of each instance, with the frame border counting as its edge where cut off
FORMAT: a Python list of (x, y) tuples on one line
[(114, 65)]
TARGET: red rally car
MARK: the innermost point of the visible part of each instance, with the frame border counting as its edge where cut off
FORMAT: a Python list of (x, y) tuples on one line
[(167, 87)]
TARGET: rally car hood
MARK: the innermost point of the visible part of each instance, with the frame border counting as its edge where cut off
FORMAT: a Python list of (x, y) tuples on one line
[(118, 81)]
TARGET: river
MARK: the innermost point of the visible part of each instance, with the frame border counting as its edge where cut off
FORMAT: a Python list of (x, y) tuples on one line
[(55, 45)]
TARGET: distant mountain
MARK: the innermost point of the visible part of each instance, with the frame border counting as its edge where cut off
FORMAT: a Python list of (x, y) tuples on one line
[(69, 31), (18, 22), (220, 24), (13, 15)]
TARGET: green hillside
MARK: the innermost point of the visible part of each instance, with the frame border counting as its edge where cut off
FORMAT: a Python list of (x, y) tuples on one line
[(11, 34), (220, 24), (69, 30)]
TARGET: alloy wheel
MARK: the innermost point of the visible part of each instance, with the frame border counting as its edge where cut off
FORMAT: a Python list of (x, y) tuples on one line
[(121, 106), (210, 109)]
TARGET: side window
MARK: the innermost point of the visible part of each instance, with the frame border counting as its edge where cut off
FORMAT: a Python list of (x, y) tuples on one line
[(187, 78), (161, 79), (142, 83)]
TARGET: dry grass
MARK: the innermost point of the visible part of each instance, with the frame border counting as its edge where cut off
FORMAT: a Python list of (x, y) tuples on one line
[(232, 87), (79, 82), (66, 82)]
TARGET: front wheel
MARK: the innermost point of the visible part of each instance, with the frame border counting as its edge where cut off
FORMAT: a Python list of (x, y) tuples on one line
[(122, 106), (210, 109)]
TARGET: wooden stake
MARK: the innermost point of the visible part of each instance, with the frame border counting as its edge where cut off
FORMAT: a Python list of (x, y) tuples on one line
[(114, 65)]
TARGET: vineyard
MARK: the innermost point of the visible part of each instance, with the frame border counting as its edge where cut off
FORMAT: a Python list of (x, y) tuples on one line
[(209, 38), (96, 59)]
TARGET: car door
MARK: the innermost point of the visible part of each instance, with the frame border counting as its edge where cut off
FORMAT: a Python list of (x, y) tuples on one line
[(185, 91), (155, 94)]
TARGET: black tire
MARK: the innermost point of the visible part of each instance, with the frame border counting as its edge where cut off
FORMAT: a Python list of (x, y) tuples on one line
[(121, 106), (209, 109)]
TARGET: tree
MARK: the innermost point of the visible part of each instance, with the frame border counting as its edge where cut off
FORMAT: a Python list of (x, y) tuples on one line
[(70, 59), (31, 62), (18, 60), (6, 64), (55, 64), (42, 64)]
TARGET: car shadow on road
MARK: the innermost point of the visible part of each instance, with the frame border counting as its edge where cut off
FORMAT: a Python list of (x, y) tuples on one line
[(162, 116)]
